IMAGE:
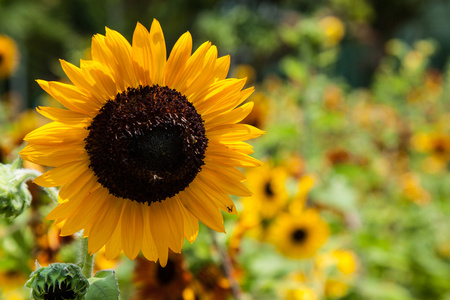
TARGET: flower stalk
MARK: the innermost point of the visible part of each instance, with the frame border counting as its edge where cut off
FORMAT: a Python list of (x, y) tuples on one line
[(227, 266), (87, 259)]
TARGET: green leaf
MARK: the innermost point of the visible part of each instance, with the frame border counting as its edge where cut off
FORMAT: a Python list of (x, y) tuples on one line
[(103, 286)]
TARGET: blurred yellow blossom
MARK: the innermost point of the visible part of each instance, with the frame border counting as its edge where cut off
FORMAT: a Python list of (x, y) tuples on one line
[(299, 236), (437, 146), (413, 60), (333, 29), (245, 71), (268, 184), (333, 98), (301, 293), (412, 189), (337, 268), (9, 56)]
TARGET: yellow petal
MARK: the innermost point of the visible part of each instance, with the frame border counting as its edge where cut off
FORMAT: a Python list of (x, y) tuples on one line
[(105, 224), (69, 96), (113, 246), (56, 133), (202, 207), (82, 82), (233, 132), (158, 53), (118, 45), (101, 75), (175, 222), (190, 225), (66, 207), (228, 157), (222, 67), (177, 60), (64, 116), (141, 54), (60, 175), (54, 155), (222, 200), (193, 69), (229, 117), (87, 212), (160, 231), (217, 95), (205, 77), (227, 184), (132, 225), (148, 244), (225, 104)]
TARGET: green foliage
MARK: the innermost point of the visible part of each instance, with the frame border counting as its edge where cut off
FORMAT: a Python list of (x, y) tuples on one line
[(103, 286), (14, 193)]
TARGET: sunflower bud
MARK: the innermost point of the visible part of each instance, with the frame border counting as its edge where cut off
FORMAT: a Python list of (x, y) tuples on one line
[(14, 193), (58, 281)]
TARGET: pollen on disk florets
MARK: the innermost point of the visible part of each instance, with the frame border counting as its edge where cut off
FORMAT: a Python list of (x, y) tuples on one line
[(146, 144)]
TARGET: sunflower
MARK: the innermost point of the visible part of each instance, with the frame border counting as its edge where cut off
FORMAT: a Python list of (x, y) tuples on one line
[(269, 186), (157, 283), (339, 267), (9, 56), (437, 146), (299, 235), (147, 145)]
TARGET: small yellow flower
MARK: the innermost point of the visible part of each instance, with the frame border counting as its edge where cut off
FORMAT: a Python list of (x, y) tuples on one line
[(436, 145), (268, 184), (333, 29), (412, 189), (299, 236), (245, 71), (335, 288), (9, 56), (337, 269), (301, 293)]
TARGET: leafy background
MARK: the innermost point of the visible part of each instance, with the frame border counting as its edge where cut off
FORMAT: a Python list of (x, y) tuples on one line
[(353, 95)]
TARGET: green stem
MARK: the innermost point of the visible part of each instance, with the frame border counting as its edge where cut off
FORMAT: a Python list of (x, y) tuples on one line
[(87, 259), (24, 175), (227, 266), (51, 192)]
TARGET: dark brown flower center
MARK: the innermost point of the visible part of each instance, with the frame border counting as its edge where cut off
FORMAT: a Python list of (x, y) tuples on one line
[(268, 189), (299, 235), (166, 274), (147, 144)]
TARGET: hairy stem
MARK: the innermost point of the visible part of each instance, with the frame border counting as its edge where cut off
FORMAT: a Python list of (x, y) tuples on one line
[(87, 259)]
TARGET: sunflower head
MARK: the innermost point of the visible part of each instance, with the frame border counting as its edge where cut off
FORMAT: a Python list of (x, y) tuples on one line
[(147, 146), (155, 282), (269, 186), (58, 281), (299, 235)]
